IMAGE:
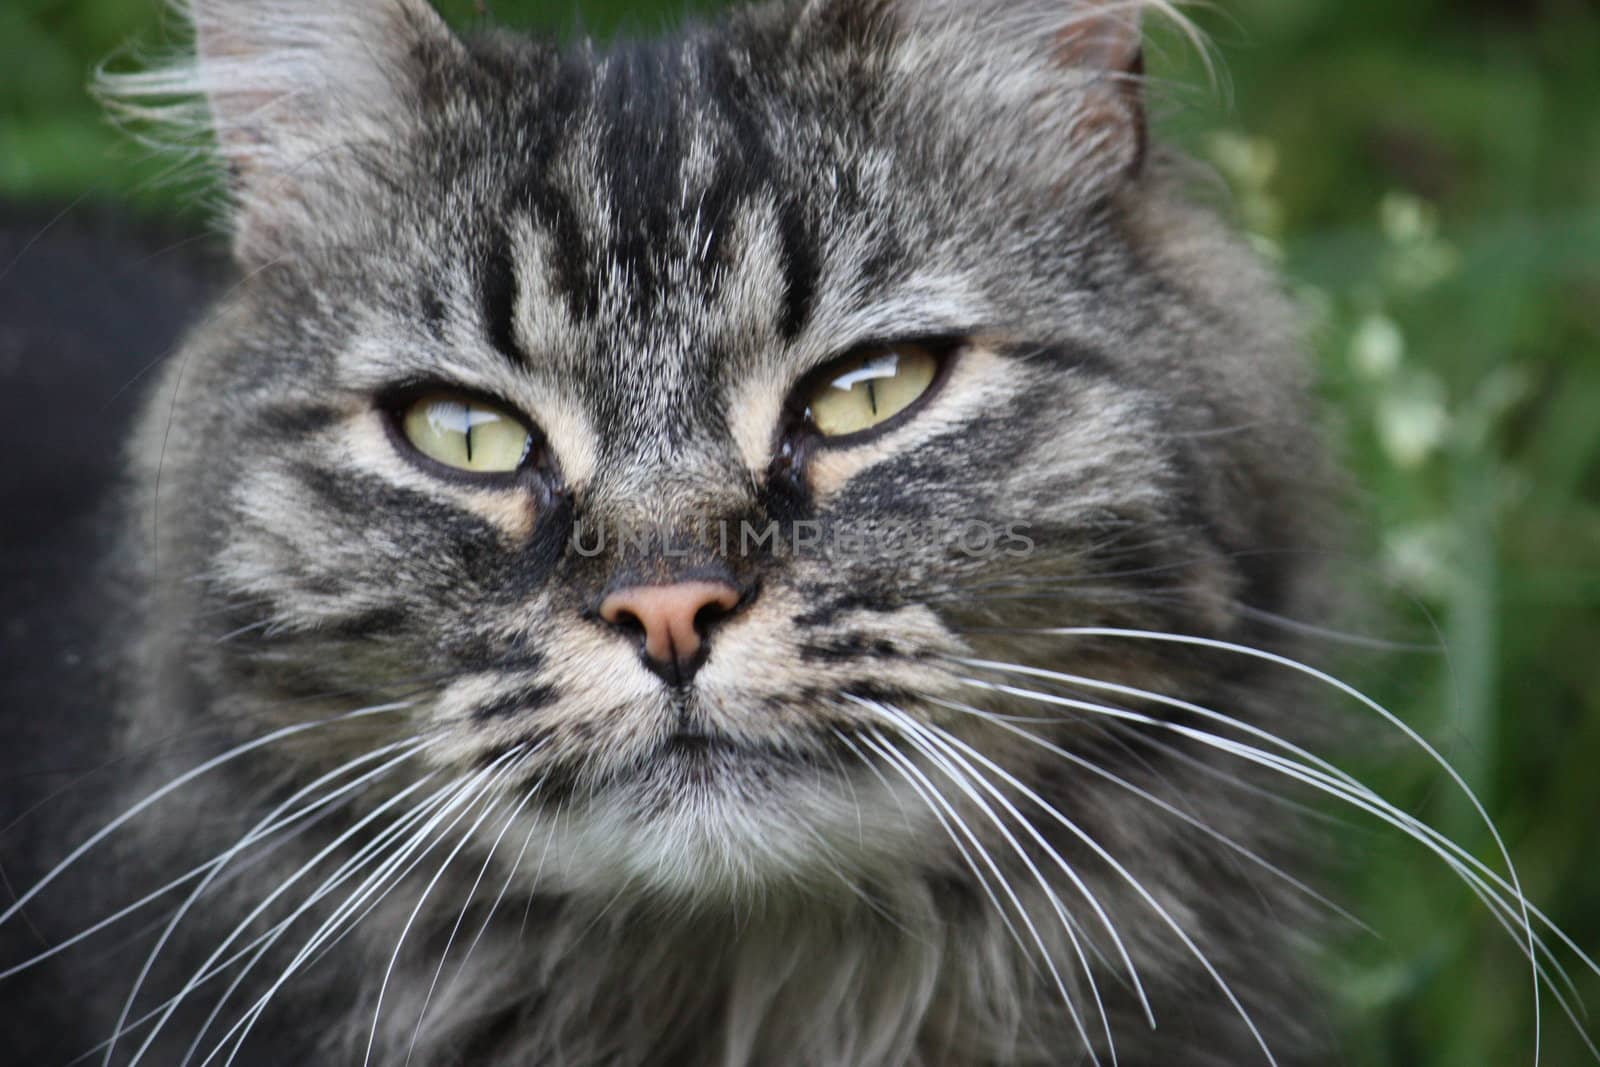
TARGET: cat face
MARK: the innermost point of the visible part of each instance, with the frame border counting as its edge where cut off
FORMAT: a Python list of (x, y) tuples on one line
[(649, 264)]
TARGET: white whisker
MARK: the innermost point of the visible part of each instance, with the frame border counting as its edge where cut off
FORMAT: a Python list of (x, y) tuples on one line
[(1389, 717), (178, 783), (505, 886), (373, 890), (472, 893), (205, 974), (1310, 759), (909, 766), (1338, 636), (422, 898), (1329, 779), (950, 831), (951, 766), (364, 856), (1139, 888), (267, 825), (943, 738), (1166, 806), (260, 908), (538, 873)]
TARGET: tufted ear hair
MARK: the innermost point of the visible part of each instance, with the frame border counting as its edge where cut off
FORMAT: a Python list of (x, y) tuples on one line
[(289, 91), (1068, 75)]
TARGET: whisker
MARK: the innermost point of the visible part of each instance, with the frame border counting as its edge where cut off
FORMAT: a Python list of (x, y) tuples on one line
[(1502, 911), (1335, 782), (950, 831), (375, 889), (202, 972), (1388, 716), (1121, 734), (872, 766), (855, 799), (1166, 806), (266, 826), (422, 898), (943, 739), (951, 768), (1354, 640), (939, 815), (908, 766), (828, 855), (206, 973), (179, 782), (505, 886), (1527, 910), (241, 631), (471, 895), (363, 857), (266, 939), (538, 873), (1134, 884), (262, 830), (220, 721)]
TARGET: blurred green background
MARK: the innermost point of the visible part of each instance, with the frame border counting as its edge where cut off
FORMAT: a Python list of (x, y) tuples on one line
[(1428, 173)]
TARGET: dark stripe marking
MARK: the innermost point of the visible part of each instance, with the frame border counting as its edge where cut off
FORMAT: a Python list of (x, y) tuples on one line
[(499, 300), (521, 702)]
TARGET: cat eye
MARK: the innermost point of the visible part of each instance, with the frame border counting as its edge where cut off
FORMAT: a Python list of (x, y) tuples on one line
[(466, 433), (868, 388)]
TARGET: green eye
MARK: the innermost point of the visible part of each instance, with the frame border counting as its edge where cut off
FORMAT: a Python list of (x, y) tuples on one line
[(868, 389), (466, 433)]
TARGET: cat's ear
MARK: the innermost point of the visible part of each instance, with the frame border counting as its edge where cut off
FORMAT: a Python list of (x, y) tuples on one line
[(292, 92), (1103, 44), (1065, 75)]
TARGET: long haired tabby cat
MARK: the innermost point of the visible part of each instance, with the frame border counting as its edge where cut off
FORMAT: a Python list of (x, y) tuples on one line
[(775, 547)]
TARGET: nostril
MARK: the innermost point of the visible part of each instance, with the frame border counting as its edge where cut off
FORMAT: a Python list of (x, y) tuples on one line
[(715, 609), (623, 619)]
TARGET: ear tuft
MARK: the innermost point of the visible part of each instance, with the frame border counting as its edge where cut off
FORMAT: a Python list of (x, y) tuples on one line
[(285, 90)]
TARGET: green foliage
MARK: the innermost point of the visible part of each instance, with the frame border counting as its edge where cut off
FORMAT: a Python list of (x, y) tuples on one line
[(52, 141), (1427, 173), (1434, 200)]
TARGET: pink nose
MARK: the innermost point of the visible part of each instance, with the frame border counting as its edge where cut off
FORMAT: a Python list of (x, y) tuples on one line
[(674, 619)]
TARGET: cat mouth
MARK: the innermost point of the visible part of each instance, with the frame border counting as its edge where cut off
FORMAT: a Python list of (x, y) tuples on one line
[(689, 757), (698, 744), (709, 759), (694, 758)]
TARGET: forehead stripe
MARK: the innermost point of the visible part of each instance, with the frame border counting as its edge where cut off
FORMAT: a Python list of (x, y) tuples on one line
[(800, 271), (498, 296)]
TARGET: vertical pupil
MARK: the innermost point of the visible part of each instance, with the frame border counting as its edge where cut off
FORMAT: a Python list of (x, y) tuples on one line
[(868, 389), (446, 428)]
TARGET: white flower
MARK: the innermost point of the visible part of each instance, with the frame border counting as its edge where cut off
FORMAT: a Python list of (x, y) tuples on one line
[(1412, 419), (1377, 346)]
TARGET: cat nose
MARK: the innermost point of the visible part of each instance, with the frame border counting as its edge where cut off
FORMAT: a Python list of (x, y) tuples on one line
[(676, 620)]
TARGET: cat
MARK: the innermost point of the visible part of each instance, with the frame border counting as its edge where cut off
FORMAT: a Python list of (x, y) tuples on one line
[(774, 546)]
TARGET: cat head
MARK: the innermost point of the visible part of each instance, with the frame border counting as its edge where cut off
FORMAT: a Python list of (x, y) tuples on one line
[(677, 434)]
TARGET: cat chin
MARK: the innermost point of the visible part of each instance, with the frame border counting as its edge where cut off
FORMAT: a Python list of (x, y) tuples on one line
[(693, 836)]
